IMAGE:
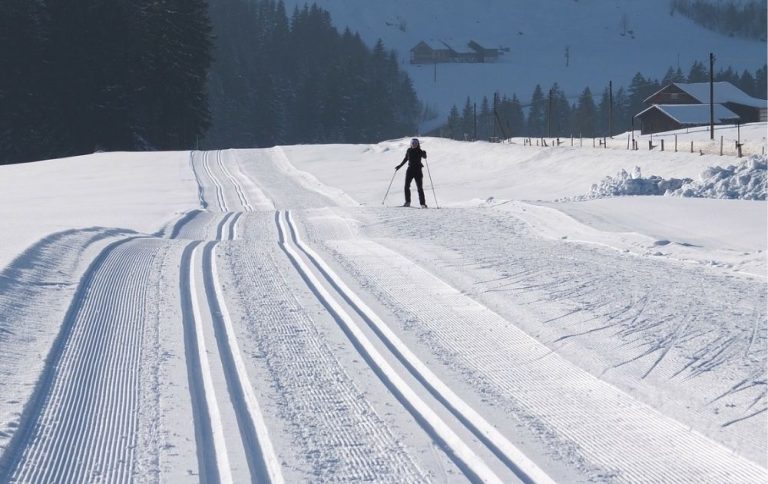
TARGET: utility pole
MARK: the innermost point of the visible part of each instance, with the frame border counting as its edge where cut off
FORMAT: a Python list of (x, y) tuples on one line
[(610, 108), (711, 96), (549, 115)]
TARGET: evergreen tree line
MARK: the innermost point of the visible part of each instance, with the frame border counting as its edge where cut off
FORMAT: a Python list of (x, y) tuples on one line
[(84, 75), (281, 80), (737, 19), (584, 115)]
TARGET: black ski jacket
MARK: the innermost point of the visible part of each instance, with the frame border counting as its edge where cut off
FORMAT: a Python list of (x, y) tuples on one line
[(413, 156)]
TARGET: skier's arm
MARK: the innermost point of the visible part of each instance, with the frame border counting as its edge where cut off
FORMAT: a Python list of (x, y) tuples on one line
[(403, 162)]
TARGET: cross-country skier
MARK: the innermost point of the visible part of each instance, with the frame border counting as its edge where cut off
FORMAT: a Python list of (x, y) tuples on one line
[(413, 156)]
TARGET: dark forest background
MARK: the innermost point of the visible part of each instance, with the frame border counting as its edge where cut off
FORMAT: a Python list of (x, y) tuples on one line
[(281, 80), (745, 18), (583, 113), (85, 75), (78, 76)]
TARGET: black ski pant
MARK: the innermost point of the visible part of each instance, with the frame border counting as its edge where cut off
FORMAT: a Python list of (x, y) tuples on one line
[(419, 177)]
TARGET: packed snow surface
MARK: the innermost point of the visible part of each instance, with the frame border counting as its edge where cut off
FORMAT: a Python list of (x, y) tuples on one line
[(271, 315)]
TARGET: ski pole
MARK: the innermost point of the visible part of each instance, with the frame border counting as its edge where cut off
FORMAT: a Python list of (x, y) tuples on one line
[(390, 186), (431, 183)]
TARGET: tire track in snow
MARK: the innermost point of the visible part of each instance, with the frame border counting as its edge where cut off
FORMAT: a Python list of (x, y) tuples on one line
[(83, 417), (202, 301), (465, 458)]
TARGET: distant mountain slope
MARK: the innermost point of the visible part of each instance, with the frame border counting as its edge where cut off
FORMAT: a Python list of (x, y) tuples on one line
[(606, 40)]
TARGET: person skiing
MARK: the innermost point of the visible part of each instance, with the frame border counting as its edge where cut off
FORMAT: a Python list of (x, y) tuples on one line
[(413, 156)]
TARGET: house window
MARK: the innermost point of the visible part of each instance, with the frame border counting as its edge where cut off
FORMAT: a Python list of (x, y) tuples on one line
[(674, 96)]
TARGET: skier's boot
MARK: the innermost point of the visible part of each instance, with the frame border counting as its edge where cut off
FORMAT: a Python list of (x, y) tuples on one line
[(407, 204), (423, 205)]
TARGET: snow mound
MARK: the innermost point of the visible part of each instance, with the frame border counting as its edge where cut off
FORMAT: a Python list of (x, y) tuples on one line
[(745, 181), (625, 184)]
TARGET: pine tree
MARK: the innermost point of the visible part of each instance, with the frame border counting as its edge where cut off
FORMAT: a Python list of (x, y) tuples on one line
[(698, 73), (468, 119), (23, 82), (537, 113), (516, 118), (175, 58), (761, 83), (586, 115), (454, 125)]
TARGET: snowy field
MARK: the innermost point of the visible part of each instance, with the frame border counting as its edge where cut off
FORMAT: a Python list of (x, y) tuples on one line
[(267, 315)]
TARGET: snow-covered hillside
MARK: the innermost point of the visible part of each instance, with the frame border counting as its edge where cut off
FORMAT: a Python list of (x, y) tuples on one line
[(606, 41), (266, 315)]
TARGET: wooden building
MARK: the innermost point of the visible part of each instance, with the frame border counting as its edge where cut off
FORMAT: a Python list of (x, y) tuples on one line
[(679, 105), (432, 52), (669, 117)]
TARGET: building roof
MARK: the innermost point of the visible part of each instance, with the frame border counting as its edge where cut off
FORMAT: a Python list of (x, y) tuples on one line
[(433, 44), (724, 92), (693, 114)]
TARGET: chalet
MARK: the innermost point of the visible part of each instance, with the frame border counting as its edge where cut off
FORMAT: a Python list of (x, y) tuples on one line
[(431, 52), (680, 105)]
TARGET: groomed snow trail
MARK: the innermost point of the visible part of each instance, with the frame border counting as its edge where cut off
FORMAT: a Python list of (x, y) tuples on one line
[(83, 423), (279, 333), (610, 427), (512, 457)]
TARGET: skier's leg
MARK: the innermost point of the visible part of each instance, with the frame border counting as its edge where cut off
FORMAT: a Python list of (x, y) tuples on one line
[(419, 184), (408, 178)]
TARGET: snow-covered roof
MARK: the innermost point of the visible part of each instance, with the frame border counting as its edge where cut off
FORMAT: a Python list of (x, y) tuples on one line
[(693, 114), (724, 92), (434, 44)]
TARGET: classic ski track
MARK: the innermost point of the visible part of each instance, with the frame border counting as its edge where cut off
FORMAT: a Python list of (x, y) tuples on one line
[(200, 189), (611, 427), (499, 445), (85, 429), (466, 459), (220, 199), (235, 183), (202, 298), (341, 435)]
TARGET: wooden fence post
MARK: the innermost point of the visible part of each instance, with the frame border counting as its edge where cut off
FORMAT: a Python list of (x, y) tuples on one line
[(662, 144), (675, 143), (691, 146), (721, 146)]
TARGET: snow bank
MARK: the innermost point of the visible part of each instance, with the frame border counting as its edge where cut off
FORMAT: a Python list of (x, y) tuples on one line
[(624, 184), (745, 181)]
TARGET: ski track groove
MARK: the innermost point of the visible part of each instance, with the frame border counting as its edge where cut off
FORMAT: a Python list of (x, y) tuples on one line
[(220, 199), (465, 458), (262, 461), (512, 457), (340, 434), (202, 298), (516, 365), (235, 183), (85, 429)]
